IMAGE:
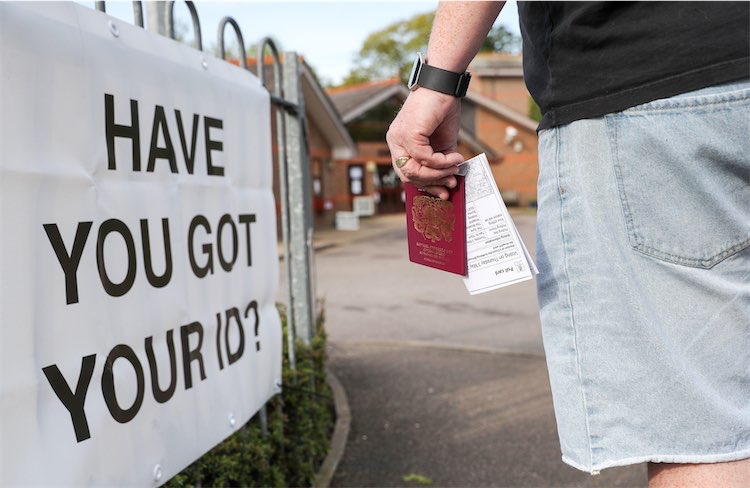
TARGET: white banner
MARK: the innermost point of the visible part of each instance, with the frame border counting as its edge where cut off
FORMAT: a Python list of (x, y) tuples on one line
[(138, 259)]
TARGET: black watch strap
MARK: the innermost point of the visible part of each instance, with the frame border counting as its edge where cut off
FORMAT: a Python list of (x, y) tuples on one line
[(438, 79), (444, 81)]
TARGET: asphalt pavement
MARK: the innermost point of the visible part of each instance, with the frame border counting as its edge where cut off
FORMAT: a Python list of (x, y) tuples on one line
[(445, 389)]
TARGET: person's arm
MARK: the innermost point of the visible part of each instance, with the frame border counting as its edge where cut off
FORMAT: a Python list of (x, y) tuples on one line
[(427, 126), (459, 31)]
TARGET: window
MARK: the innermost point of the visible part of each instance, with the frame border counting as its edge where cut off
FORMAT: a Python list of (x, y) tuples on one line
[(317, 179), (356, 179)]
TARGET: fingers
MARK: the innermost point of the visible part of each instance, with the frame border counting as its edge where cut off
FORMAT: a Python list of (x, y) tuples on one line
[(421, 175), (439, 160), (423, 141), (436, 182), (441, 188), (436, 191), (426, 128), (424, 155), (432, 181)]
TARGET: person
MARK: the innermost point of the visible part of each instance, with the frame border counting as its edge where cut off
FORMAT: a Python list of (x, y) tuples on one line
[(643, 224)]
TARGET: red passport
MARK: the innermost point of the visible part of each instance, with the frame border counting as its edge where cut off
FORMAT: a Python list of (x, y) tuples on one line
[(436, 229)]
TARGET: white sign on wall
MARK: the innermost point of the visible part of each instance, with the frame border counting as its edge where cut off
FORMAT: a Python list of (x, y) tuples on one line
[(138, 259)]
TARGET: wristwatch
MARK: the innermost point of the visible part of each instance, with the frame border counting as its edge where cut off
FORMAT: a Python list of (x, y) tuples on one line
[(443, 81)]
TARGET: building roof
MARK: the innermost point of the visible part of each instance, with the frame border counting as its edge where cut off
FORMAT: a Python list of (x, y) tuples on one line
[(502, 110), (320, 107), (355, 100), (497, 65), (478, 147)]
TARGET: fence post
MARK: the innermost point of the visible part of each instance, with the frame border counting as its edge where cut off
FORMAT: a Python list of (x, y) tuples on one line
[(300, 203), (156, 14)]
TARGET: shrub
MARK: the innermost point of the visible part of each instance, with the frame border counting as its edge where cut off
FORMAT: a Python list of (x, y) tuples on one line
[(300, 422)]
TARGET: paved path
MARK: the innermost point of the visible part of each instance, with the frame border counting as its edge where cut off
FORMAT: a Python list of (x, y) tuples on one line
[(442, 385), (458, 418), (374, 293)]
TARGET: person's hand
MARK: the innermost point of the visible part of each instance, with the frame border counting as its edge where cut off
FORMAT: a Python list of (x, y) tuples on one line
[(426, 129)]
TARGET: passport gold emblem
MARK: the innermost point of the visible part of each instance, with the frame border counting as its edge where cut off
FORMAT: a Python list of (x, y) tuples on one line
[(433, 218)]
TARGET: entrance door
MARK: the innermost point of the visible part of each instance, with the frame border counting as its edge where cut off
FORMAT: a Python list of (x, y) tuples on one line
[(391, 190)]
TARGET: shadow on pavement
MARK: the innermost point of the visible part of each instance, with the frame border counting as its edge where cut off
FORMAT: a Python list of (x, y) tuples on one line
[(454, 418)]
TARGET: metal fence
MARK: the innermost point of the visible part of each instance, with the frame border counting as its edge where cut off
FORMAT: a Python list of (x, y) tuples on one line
[(292, 156)]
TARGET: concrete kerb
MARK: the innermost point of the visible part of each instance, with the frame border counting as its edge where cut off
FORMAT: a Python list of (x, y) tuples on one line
[(340, 433), (333, 238), (445, 346)]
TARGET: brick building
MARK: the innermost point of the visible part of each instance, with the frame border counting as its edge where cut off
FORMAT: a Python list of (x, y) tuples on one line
[(496, 111), (328, 140), (349, 160), (499, 76), (493, 121), (367, 110), (508, 133)]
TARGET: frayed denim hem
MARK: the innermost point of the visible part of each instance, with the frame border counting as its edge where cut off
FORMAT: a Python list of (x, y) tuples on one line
[(661, 458)]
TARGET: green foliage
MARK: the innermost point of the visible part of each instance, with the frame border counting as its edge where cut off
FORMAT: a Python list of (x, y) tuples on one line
[(390, 52), (500, 39), (300, 421), (355, 77), (420, 479), (535, 113)]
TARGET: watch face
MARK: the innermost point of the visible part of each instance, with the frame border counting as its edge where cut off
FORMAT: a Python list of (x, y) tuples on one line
[(414, 76)]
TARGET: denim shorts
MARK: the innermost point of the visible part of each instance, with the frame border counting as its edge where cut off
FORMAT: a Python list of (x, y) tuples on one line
[(643, 246)]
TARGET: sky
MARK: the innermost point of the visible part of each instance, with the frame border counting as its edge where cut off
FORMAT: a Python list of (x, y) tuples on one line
[(328, 33)]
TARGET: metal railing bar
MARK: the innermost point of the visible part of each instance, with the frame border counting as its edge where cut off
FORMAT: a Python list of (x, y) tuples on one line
[(220, 39), (268, 42), (288, 106), (278, 99), (169, 21), (138, 13), (300, 200)]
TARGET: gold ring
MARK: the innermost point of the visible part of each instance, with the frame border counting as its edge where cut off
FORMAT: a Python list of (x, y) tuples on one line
[(400, 162)]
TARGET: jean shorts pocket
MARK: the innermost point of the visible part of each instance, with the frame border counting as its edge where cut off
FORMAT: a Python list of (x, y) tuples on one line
[(683, 174)]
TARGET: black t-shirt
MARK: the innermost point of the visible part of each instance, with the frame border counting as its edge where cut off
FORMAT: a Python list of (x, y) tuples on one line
[(587, 59)]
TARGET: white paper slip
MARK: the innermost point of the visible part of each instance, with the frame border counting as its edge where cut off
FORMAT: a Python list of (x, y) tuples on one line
[(496, 253)]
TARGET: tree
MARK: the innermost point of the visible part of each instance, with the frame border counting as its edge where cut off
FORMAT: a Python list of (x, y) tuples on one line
[(500, 39), (390, 52), (535, 113)]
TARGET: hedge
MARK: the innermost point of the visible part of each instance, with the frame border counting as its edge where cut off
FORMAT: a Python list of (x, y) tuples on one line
[(300, 423)]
